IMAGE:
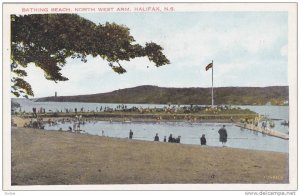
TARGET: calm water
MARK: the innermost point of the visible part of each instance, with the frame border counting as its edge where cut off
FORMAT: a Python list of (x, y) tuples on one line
[(190, 132)]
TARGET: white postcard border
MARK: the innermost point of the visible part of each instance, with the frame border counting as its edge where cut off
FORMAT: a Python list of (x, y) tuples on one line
[(291, 8)]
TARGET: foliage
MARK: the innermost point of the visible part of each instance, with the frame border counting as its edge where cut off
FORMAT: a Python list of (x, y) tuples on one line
[(48, 40)]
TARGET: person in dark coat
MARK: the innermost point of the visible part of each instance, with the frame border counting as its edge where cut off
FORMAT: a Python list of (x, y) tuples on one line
[(203, 140), (177, 140), (170, 138), (165, 138), (34, 112), (223, 135), (130, 134), (156, 138)]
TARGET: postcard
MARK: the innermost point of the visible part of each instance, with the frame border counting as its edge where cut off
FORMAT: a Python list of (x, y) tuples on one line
[(150, 96)]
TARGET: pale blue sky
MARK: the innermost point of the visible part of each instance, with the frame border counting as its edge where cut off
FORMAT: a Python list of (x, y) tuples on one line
[(248, 49)]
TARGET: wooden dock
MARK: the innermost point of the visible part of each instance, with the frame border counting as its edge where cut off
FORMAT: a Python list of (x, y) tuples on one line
[(266, 131)]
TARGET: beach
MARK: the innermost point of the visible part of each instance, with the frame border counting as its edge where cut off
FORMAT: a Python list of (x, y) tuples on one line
[(41, 157)]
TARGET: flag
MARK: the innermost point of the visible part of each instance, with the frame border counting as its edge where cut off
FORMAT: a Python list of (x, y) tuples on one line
[(208, 66)]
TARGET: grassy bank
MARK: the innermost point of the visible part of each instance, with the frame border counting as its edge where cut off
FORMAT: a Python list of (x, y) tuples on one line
[(50, 157)]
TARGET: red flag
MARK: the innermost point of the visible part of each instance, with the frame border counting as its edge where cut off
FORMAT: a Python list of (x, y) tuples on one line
[(208, 66)]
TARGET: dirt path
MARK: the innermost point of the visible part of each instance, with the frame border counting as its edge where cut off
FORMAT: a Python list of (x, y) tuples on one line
[(50, 157)]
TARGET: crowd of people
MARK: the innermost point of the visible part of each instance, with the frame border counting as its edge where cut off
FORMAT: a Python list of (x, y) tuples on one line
[(124, 108), (77, 121), (222, 137), (36, 123), (171, 139)]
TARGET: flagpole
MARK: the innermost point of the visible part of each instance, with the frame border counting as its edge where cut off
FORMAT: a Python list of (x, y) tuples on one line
[(212, 84)]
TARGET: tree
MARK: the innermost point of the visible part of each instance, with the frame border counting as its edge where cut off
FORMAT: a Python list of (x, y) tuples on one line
[(47, 40)]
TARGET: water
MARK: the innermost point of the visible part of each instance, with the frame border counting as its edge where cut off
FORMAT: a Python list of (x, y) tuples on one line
[(190, 132), (278, 113)]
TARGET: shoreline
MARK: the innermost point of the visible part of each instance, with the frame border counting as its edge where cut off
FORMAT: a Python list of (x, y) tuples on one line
[(19, 122), (144, 117), (151, 141)]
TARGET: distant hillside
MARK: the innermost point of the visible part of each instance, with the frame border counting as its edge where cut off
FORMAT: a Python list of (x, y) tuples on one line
[(276, 95)]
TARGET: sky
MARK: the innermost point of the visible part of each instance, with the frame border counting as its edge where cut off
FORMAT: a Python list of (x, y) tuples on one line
[(247, 48)]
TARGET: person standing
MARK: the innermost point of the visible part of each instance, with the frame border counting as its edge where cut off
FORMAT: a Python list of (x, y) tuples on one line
[(223, 135), (177, 140), (156, 138), (203, 140), (34, 112), (74, 126), (170, 138), (130, 134)]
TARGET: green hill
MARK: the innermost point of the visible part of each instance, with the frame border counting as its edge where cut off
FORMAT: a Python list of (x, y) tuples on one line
[(275, 95)]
